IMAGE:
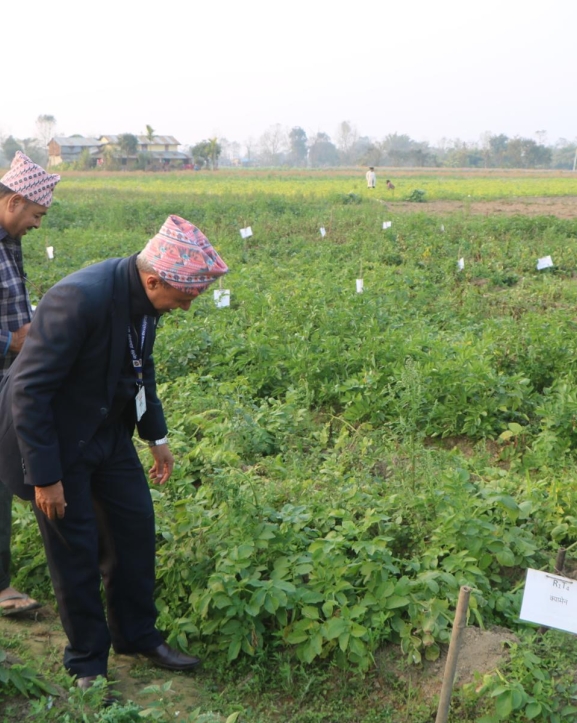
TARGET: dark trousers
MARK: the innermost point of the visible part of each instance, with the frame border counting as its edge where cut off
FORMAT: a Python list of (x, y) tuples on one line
[(5, 531), (107, 534)]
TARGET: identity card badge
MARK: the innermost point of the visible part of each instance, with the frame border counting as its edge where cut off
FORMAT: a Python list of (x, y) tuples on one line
[(140, 403)]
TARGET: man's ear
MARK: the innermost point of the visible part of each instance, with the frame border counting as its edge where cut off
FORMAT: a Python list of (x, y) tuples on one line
[(15, 202), (152, 282)]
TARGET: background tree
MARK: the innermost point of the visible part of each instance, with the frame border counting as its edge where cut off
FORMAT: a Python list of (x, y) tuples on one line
[(84, 162), (9, 147), (347, 135), (214, 151), (206, 153), (200, 154), (128, 144), (251, 147), (498, 149), (323, 152), (402, 150), (297, 146), (563, 153), (45, 125), (272, 144), (150, 133)]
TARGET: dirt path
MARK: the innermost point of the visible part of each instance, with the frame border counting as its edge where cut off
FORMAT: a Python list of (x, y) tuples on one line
[(41, 637), (559, 206)]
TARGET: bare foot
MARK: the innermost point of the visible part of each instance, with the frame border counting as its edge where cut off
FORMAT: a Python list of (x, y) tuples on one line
[(13, 602)]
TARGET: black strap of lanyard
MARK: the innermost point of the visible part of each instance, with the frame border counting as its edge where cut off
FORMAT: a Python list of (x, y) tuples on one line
[(136, 359)]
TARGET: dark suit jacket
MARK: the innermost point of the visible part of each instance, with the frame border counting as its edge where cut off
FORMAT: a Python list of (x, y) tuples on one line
[(60, 388)]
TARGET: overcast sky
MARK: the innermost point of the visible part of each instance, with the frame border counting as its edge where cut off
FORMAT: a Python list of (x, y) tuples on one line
[(451, 68)]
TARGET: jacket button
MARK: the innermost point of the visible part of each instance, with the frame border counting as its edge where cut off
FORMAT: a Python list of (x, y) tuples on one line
[(104, 411), (82, 443)]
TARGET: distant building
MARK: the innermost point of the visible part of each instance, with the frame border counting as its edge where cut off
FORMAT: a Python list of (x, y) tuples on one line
[(67, 150), (162, 150)]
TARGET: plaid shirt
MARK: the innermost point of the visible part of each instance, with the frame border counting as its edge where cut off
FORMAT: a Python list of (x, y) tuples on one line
[(14, 302)]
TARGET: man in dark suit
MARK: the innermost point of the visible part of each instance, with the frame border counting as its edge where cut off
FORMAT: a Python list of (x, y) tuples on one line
[(68, 408)]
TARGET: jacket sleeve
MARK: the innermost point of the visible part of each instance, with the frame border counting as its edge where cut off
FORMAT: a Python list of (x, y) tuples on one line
[(60, 326)]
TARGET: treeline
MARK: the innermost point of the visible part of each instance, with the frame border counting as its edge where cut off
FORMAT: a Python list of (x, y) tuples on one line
[(279, 146)]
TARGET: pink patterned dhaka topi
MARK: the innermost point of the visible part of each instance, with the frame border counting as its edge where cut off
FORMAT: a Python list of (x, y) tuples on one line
[(30, 180), (183, 257)]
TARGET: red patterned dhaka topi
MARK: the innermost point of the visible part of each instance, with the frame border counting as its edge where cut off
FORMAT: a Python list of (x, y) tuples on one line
[(183, 257), (30, 180)]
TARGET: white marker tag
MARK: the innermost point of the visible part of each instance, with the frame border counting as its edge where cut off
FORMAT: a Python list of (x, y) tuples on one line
[(222, 298), (246, 232), (550, 600), (461, 264), (387, 224), (442, 227), (360, 286), (323, 232), (140, 403), (545, 263), (50, 252)]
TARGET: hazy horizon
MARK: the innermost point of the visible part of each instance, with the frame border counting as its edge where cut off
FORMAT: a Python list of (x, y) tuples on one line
[(430, 71)]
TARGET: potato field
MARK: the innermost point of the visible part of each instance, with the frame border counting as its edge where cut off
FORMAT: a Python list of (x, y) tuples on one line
[(345, 461)]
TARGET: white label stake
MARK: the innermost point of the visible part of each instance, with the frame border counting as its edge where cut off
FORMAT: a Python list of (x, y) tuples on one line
[(50, 252), (246, 232), (550, 600), (323, 232), (387, 224), (545, 263), (360, 286), (461, 264), (221, 298)]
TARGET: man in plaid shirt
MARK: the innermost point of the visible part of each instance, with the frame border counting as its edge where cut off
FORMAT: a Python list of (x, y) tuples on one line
[(25, 195)]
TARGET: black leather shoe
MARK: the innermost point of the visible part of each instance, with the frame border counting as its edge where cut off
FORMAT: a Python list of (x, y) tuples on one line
[(88, 681), (166, 657)]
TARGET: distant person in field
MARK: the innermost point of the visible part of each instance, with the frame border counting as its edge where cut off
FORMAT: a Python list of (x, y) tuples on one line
[(83, 382), (25, 195), (390, 186), (371, 178)]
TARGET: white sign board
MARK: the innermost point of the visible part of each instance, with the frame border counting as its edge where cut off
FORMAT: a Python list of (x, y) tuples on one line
[(360, 286), (222, 298), (246, 232), (461, 264), (550, 600), (387, 224), (545, 263), (323, 232), (50, 252)]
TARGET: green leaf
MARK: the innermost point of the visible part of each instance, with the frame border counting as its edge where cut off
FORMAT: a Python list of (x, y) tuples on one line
[(504, 704), (234, 649), (396, 601), (333, 628), (310, 612), (506, 558), (532, 710)]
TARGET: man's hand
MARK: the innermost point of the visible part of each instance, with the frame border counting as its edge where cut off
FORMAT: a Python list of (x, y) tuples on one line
[(163, 463), (18, 338), (50, 500)]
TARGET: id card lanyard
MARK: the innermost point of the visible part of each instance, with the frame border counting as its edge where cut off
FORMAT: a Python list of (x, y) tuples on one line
[(137, 364)]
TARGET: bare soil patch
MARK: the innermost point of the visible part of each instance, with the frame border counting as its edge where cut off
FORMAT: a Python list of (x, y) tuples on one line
[(559, 206), (481, 653), (41, 636)]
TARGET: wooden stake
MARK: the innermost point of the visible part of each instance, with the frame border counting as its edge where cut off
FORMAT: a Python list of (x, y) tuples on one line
[(453, 654)]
